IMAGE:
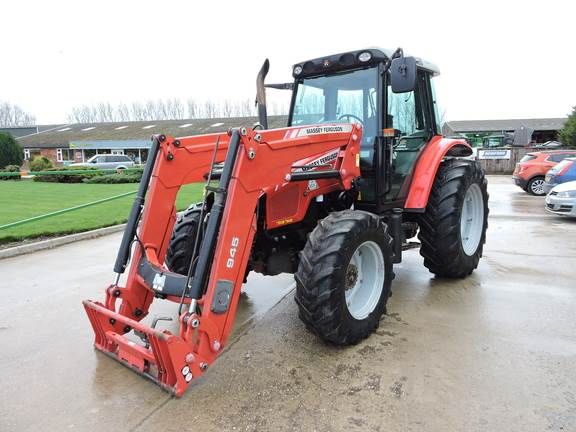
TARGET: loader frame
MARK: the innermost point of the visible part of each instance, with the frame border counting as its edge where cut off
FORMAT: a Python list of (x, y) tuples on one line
[(256, 163)]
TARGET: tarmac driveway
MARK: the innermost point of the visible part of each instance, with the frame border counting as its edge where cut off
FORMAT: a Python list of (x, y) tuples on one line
[(495, 351)]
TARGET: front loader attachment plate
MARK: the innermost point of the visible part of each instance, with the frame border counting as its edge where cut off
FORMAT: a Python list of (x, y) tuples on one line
[(163, 361)]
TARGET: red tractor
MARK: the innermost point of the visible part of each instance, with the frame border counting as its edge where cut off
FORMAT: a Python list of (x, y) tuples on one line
[(332, 198)]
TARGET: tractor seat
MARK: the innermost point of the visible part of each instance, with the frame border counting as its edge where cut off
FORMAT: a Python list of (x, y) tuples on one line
[(412, 142), (406, 152)]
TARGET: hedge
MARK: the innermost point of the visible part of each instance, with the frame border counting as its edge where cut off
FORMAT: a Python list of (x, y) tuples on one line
[(129, 177), (10, 169), (66, 178), (40, 163)]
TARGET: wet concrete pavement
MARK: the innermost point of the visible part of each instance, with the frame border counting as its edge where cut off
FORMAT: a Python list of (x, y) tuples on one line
[(496, 351)]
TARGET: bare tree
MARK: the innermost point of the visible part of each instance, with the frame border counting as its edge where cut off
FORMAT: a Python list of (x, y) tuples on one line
[(166, 109), (105, 112), (192, 108), (175, 109), (14, 115), (123, 113), (137, 111), (210, 109), (82, 114)]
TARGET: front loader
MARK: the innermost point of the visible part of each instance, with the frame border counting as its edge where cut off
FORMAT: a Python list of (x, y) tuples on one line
[(332, 198)]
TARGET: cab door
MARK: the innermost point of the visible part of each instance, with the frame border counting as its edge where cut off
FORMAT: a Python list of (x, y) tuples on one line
[(413, 115)]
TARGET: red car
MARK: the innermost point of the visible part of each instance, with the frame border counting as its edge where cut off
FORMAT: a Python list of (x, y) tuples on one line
[(530, 171)]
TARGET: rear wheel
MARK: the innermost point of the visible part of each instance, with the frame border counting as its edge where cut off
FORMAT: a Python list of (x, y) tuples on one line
[(453, 227), (536, 186), (179, 252), (344, 277)]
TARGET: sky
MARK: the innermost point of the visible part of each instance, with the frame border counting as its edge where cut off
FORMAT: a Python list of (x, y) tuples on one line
[(498, 59)]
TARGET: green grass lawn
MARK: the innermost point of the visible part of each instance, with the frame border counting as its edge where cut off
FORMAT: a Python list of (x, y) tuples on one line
[(21, 199)]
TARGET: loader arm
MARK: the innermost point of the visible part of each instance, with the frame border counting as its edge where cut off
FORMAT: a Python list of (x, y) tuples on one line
[(258, 162)]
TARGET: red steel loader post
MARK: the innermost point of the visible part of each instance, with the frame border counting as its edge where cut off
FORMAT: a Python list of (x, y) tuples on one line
[(332, 198)]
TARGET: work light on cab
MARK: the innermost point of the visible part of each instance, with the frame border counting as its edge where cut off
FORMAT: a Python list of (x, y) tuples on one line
[(365, 56)]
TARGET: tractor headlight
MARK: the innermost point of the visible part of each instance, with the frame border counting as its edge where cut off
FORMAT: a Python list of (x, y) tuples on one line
[(365, 56), (297, 70), (567, 194)]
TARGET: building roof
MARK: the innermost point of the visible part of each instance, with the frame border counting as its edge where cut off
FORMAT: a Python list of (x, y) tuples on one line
[(542, 124), (86, 134), (21, 131)]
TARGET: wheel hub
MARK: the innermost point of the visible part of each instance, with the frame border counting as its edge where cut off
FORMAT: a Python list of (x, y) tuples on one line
[(537, 187), (351, 276)]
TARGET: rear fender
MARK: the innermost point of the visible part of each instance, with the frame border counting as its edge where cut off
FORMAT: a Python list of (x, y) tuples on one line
[(427, 166)]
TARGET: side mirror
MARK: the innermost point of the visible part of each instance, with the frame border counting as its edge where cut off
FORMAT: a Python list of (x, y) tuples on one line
[(403, 74)]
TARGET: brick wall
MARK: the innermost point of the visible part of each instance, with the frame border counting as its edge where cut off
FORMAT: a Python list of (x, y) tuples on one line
[(50, 154)]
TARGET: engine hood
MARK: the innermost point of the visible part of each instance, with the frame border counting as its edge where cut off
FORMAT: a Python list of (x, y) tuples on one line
[(564, 187)]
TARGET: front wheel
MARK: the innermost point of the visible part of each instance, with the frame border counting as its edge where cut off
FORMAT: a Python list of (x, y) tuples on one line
[(180, 249), (344, 277), (536, 186), (453, 227)]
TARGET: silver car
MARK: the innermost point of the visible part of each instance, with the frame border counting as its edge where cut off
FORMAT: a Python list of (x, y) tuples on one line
[(107, 161), (562, 199)]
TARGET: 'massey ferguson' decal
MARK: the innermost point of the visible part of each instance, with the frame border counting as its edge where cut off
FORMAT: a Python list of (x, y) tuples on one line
[(326, 159), (317, 130)]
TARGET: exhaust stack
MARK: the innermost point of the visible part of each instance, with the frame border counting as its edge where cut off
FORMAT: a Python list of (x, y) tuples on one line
[(261, 94)]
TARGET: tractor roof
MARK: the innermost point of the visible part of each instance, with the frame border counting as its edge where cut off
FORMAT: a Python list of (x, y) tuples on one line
[(351, 60)]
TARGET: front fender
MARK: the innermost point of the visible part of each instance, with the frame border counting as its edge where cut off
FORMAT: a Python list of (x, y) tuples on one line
[(425, 171)]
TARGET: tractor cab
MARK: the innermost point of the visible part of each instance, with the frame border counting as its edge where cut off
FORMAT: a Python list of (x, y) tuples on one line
[(380, 90)]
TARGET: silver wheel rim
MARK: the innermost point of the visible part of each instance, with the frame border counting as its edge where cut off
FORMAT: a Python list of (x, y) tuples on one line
[(537, 187), (472, 219), (364, 280)]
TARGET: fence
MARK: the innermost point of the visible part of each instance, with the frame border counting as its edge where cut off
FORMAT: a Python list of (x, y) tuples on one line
[(504, 166), (62, 211), (67, 172), (71, 207)]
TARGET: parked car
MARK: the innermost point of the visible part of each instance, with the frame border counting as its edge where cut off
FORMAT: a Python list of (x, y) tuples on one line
[(107, 161), (564, 172), (549, 145), (530, 171), (562, 199)]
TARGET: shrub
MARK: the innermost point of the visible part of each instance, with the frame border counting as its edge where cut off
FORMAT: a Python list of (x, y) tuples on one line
[(40, 163), (68, 177), (568, 133), (10, 169), (129, 177), (10, 151)]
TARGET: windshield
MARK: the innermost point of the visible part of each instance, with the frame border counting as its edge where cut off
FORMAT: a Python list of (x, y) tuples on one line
[(526, 158), (560, 166), (349, 97)]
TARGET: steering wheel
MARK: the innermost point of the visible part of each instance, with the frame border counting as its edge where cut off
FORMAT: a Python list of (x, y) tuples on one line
[(351, 116)]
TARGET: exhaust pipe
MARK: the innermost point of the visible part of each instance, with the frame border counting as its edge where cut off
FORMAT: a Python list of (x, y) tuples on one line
[(261, 94)]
